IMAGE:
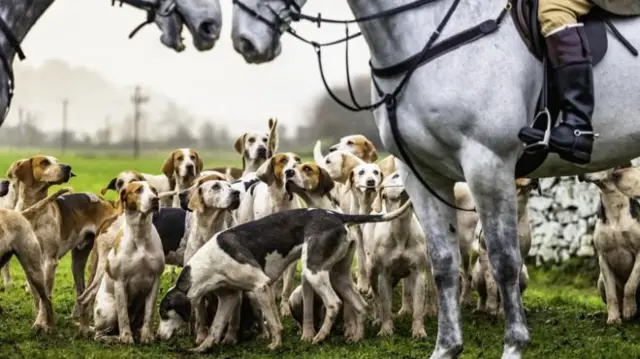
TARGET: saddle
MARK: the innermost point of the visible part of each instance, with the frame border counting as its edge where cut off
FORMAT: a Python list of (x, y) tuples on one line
[(525, 18)]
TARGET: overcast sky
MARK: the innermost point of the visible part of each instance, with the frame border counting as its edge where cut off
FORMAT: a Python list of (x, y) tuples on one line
[(215, 84)]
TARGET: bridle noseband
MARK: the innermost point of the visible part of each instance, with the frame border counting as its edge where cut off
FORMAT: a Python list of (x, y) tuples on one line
[(406, 68), (152, 9), (4, 59)]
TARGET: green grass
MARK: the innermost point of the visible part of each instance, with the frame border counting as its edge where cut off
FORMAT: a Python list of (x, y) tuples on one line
[(566, 316)]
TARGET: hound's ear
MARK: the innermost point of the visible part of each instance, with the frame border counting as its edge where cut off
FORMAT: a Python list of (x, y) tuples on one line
[(167, 167), (370, 150), (199, 164), (239, 145), (265, 172), (377, 201), (195, 201), (349, 182), (325, 183), (273, 136), (349, 162), (388, 165), (24, 172), (110, 186), (122, 198)]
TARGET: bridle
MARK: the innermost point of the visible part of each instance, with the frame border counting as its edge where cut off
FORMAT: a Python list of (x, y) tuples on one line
[(153, 9), (4, 59), (430, 51)]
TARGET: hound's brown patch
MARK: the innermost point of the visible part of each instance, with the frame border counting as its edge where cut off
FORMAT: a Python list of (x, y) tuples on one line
[(129, 197), (362, 148)]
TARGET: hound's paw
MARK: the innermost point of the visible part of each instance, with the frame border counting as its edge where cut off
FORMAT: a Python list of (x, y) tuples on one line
[(275, 344), (201, 337), (230, 339), (42, 328), (204, 347), (307, 335), (629, 309), (386, 331), (418, 332), (126, 338), (146, 336), (614, 320), (285, 310), (320, 337)]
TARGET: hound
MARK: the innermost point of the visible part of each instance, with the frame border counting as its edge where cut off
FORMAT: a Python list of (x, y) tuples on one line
[(359, 145), (251, 256), (255, 148), (398, 251), (182, 167), (210, 200), (338, 165), (67, 224), (271, 196), (8, 198), (364, 185), (616, 238), (172, 224), (134, 266), (17, 237), (482, 274), (314, 185)]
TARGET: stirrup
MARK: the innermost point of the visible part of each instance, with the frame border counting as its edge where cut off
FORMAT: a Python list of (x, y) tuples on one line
[(543, 144)]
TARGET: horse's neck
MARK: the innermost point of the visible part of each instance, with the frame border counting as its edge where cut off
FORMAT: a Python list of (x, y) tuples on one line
[(20, 15), (393, 39)]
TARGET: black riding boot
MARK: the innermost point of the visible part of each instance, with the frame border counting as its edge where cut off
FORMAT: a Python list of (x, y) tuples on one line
[(570, 58)]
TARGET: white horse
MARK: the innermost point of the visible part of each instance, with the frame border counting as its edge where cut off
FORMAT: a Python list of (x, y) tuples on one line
[(203, 18), (458, 118)]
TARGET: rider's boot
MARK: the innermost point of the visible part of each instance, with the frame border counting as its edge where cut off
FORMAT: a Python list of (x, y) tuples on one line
[(569, 55), (570, 58)]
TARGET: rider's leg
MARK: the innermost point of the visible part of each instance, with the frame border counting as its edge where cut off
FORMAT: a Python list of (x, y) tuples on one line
[(568, 54)]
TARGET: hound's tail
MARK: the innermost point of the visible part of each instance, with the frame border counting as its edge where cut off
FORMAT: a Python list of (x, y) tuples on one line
[(317, 153), (42, 203), (368, 218)]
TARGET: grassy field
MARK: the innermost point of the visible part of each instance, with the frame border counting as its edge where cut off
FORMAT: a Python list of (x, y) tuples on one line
[(566, 317)]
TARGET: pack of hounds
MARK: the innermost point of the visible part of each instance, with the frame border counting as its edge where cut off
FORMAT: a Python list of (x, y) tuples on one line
[(239, 233)]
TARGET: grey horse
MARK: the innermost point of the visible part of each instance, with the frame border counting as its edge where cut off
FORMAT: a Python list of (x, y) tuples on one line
[(203, 18), (458, 117)]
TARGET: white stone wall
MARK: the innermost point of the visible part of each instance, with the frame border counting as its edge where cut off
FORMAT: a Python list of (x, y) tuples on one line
[(562, 219)]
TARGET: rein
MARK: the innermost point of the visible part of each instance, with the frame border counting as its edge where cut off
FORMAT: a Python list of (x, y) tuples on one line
[(153, 10), (407, 66), (15, 44)]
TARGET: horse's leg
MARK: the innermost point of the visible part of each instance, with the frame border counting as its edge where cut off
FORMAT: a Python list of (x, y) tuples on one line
[(493, 187), (439, 221)]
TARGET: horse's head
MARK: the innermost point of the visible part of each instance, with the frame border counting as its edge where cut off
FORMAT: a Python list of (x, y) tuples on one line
[(258, 26), (203, 18)]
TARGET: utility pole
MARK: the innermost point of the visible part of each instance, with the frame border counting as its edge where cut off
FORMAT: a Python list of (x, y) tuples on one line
[(63, 140), (137, 99)]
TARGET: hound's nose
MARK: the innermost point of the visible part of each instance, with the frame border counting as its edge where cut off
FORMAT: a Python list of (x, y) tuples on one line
[(191, 169), (289, 173), (262, 152), (371, 183)]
